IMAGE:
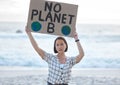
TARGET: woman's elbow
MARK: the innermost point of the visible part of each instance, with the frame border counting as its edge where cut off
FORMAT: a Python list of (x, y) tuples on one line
[(82, 54), (79, 57)]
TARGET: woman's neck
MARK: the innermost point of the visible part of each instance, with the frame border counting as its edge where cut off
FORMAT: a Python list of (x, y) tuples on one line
[(62, 58), (61, 55)]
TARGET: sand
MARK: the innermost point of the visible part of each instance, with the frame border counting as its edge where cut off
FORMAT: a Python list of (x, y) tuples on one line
[(38, 76)]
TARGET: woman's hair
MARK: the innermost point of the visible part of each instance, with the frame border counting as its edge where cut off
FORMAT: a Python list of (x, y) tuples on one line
[(60, 38)]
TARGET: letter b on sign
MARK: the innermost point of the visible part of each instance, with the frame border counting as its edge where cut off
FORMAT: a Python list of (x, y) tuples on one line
[(50, 28)]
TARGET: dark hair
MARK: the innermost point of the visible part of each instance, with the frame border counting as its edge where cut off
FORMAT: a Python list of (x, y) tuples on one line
[(60, 38)]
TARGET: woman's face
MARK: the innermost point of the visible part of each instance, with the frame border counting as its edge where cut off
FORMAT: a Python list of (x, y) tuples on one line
[(60, 46)]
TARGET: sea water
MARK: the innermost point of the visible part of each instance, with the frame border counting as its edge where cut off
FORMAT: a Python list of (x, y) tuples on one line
[(101, 44)]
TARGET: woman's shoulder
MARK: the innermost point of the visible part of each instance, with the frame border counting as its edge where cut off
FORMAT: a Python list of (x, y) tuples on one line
[(49, 54)]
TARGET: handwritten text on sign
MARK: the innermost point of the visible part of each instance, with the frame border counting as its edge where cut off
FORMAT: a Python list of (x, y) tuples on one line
[(52, 17)]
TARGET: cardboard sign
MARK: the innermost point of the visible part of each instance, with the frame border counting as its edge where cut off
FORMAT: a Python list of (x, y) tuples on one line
[(52, 17)]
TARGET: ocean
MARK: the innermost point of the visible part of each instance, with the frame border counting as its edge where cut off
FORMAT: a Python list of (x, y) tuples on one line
[(101, 43)]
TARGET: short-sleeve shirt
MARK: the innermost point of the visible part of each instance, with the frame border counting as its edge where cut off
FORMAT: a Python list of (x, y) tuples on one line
[(59, 73)]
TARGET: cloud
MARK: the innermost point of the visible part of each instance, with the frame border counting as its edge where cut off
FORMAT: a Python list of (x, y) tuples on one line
[(90, 11), (13, 9), (5, 3)]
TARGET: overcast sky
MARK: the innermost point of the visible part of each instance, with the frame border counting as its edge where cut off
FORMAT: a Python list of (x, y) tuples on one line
[(90, 11)]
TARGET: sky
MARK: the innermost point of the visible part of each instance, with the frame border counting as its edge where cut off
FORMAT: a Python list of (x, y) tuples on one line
[(89, 11)]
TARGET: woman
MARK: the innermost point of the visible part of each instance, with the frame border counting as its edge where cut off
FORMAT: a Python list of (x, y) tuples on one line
[(59, 65)]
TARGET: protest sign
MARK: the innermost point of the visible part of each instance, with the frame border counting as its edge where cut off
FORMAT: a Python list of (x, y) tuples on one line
[(51, 17)]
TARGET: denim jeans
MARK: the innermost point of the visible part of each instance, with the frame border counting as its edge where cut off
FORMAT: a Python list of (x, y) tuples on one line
[(48, 83)]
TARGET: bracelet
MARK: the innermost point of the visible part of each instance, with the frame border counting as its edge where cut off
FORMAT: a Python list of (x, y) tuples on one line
[(77, 40)]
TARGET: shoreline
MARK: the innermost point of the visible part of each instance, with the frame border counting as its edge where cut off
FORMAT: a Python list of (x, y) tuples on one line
[(38, 76), (89, 72)]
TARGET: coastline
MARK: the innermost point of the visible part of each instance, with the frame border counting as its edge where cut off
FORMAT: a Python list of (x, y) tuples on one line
[(38, 76)]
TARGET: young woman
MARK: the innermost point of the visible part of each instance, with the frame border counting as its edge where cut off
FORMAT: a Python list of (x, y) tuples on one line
[(59, 65)]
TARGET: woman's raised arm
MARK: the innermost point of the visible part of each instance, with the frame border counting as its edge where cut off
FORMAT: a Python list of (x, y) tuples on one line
[(34, 44), (80, 49)]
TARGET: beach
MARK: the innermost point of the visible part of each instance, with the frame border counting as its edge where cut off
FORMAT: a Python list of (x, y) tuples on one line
[(38, 76), (21, 65)]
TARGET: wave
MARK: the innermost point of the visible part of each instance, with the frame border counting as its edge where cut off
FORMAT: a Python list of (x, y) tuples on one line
[(98, 44)]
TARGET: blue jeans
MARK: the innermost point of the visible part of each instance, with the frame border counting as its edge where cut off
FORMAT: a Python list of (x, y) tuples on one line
[(48, 83)]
